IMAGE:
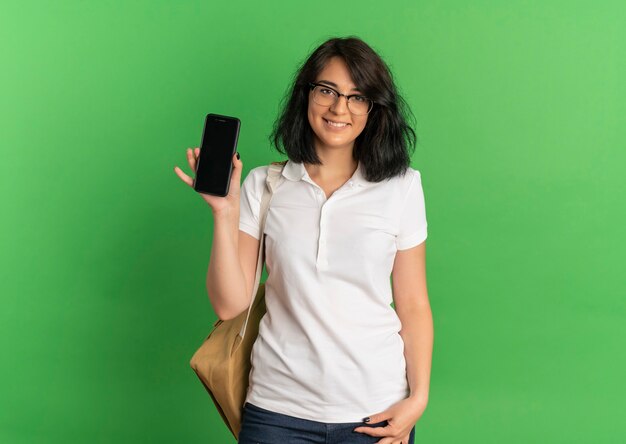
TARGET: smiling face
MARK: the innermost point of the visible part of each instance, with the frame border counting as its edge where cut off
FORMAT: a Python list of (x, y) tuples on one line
[(336, 75)]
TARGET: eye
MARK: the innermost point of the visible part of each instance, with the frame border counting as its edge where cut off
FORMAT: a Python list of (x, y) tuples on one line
[(360, 98), (326, 91)]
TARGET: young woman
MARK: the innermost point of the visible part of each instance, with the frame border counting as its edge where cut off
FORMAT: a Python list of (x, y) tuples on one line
[(333, 362)]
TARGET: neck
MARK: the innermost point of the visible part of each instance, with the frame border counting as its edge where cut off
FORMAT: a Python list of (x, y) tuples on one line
[(337, 165)]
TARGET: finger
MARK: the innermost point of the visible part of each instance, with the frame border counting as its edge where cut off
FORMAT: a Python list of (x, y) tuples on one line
[(196, 157), (196, 153), (392, 440), (191, 160), (374, 431), (378, 417), (387, 440), (236, 174), (188, 180)]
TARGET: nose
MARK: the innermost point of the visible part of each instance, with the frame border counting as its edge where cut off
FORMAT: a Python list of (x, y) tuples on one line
[(340, 106)]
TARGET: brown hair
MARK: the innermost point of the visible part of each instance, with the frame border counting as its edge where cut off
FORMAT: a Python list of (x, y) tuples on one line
[(383, 146)]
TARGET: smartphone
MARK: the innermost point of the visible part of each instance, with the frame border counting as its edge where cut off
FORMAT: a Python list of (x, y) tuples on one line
[(215, 163)]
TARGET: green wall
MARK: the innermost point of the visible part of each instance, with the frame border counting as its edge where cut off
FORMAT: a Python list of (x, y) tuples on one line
[(520, 109)]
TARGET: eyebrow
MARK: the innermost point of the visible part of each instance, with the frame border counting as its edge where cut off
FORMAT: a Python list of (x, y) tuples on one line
[(334, 84)]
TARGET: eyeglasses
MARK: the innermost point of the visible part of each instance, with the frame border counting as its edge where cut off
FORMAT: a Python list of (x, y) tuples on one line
[(327, 96)]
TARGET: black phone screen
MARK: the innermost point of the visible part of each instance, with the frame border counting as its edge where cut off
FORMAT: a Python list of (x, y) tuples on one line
[(215, 164)]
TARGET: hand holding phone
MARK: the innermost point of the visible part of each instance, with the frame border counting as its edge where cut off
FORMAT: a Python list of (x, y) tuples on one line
[(219, 143), (217, 170)]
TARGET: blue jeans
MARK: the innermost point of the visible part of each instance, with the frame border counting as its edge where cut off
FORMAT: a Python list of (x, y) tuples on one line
[(260, 426)]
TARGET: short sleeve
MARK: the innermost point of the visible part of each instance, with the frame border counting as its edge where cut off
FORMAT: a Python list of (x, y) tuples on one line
[(413, 223), (250, 202)]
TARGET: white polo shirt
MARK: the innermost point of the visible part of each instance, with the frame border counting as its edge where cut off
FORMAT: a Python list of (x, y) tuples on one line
[(328, 348)]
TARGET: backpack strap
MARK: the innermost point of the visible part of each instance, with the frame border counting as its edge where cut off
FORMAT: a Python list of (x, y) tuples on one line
[(272, 182)]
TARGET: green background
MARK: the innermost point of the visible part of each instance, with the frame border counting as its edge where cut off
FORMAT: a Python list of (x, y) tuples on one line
[(520, 109)]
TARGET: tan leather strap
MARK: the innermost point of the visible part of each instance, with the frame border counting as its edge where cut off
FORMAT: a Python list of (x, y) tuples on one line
[(272, 182)]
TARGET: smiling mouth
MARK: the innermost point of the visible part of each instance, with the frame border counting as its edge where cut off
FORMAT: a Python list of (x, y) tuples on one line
[(336, 124)]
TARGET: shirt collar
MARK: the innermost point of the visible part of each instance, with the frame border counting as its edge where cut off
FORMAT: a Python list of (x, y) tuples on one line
[(295, 171)]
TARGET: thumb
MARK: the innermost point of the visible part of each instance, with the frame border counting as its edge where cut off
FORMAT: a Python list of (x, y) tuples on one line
[(237, 168)]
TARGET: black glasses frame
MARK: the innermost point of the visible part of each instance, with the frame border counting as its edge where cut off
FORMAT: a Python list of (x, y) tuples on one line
[(348, 97)]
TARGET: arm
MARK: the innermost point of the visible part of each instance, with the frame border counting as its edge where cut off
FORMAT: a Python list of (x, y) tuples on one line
[(225, 280), (410, 296), (413, 309), (227, 290)]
